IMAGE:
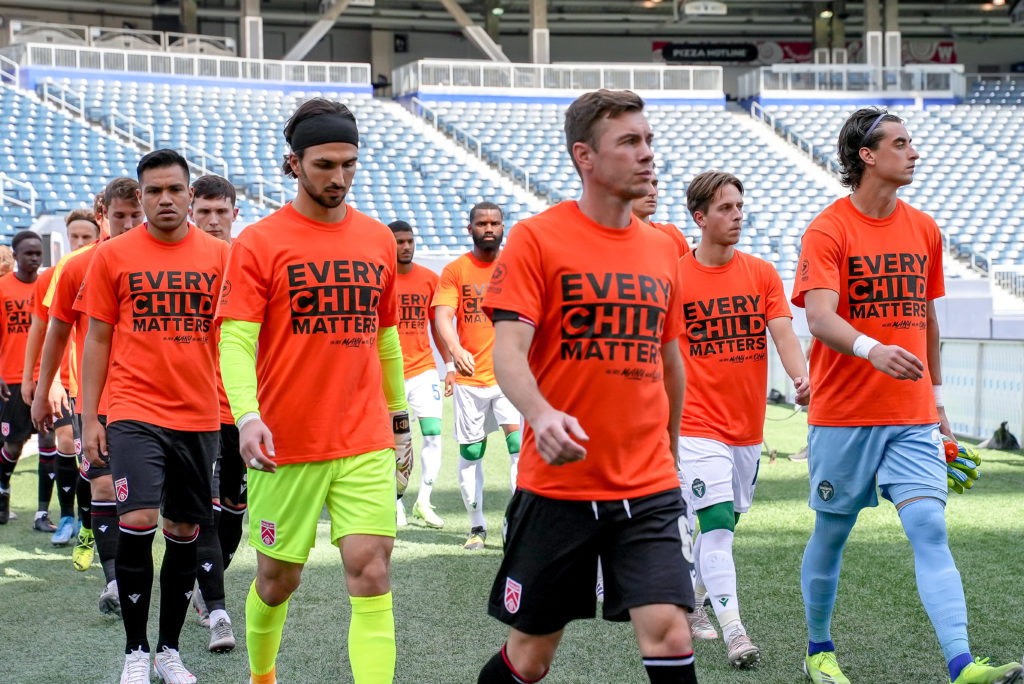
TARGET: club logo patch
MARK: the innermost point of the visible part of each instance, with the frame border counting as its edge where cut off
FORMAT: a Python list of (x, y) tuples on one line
[(268, 532), (5, 428), (825, 490), (121, 488), (513, 595), (78, 447), (698, 487)]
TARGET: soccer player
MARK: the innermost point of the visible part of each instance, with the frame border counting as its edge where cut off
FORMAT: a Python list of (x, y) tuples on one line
[(6, 260), (97, 501), (644, 208), (16, 292), (586, 306), (150, 296), (480, 405), (213, 210), (730, 301), (416, 286), (870, 268), (82, 229), (309, 301)]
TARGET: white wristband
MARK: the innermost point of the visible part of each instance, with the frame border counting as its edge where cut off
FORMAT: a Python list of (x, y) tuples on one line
[(863, 345), (449, 367), (937, 390), (246, 418)]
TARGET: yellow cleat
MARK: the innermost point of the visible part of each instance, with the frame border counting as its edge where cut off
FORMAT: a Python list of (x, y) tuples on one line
[(81, 555)]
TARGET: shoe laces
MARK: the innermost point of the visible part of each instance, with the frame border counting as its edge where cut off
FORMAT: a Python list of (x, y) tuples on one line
[(137, 664), (170, 660), (222, 629)]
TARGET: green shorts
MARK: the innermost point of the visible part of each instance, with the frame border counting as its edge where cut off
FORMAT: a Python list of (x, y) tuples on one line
[(284, 506)]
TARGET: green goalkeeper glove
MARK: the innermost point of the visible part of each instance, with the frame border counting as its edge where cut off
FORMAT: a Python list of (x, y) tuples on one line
[(962, 471)]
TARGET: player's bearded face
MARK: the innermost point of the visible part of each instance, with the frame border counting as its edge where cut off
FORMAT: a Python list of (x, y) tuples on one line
[(487, 229), (326, 172), (623, 163), (406, 247)]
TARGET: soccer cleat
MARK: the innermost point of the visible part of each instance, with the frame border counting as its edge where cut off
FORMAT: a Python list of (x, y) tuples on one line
[(700, 624), (822, 668), (81, 555), (110, 604), (222, 639), (170, 669), (741, 652), (477, 537), (44, 524), (400, 514), (136, 668), (980, 672), (5, 506), (425, 512), (200, 605), (65, 530)]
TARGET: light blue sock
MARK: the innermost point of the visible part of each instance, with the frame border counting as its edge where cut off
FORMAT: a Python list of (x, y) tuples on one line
[(938, 581), (819, 572)]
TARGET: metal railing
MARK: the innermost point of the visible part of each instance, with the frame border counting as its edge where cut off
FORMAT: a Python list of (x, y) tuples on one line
[(411, 77), (260, 185), (173, 64), (818, 156), (132, 130), (1008, 277), (203, 161), (934, 80), (9, 72), (8, 185), (20, 31), (63, 98)]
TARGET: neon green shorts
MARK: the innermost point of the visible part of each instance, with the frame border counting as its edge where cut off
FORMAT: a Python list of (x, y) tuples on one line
[(284, 507)]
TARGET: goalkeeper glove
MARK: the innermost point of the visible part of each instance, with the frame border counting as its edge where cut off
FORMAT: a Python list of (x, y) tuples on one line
[(961, 466), (403, 450)]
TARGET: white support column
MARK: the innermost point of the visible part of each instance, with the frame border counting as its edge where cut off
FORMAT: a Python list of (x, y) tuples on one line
[(476, 34), (317, 31), (540, 36)]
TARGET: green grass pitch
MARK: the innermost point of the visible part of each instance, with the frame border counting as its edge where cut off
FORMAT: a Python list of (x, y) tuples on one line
[(53, 631)]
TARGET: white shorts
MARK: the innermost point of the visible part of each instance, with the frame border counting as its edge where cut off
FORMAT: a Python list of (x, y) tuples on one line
[(712, 472), (480, 411), (423, 392)]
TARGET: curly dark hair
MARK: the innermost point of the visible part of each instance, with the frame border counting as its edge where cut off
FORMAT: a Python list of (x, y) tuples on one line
[(854, 136), (306, 110)]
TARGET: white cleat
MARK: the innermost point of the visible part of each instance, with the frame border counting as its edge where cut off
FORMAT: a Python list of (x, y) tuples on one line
[(200, 605), (136, 668), (426, 513), (170, 669), (400, 513), (222, 638), (742, 653), (700, 624), (110, 604)]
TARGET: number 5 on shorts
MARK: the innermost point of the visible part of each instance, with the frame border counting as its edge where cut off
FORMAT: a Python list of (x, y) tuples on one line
[(436, 389)]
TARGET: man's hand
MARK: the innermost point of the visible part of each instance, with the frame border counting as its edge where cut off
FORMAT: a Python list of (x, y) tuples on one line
[(403, 450), (557, 435), (47, 408), (944, 424), (253, 434), (803, 391), (463, 361), (449, 383), (896, 362), (94, 442), (962, 471), (28, 389), (5, 392)]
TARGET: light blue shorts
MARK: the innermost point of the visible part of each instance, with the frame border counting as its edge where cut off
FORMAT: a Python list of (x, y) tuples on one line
[(846, 464)]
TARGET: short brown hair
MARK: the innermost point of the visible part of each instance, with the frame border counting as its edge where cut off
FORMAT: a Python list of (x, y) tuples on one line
[(212, 186), (587, 110), (122, 188), (701, 190), (81, 214)]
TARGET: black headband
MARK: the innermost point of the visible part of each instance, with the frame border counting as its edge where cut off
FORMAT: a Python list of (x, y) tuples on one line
[(322, 129), (871, 129)]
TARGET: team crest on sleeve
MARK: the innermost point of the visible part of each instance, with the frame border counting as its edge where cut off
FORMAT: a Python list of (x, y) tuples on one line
[(268, 532), (513, 595), (121, 488)]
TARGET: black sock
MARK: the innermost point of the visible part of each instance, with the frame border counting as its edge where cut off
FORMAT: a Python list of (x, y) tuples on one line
[(84, 495), (135, 583), (104, 526), (229, 530), (498, 670), (671, 669), (210, 564), (7, 463), (47, 474), (66, 470), (177, 579)]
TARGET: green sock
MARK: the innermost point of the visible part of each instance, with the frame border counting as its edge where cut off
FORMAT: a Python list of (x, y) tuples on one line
[(263, 627), (371, 639)]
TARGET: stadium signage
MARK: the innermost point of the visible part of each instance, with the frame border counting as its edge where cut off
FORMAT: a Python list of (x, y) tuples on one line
[(690, 53)]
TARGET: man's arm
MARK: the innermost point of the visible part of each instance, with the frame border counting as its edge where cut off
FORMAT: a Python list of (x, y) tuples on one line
[(829, 327), (792, 356), (675, 387), (44, 408), (935, 367), (238, 341), (446, 356), (443, 316), (95, 361), (34, 342), (556, 434)]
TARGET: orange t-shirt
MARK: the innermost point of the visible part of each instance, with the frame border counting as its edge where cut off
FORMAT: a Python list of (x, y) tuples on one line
[(67, 378), (885, 271), (320, 291), (726, 310), (415, 290), (68, 304), (603, 302), (462, 286), (682, 246), (160, 297), (16, 308)]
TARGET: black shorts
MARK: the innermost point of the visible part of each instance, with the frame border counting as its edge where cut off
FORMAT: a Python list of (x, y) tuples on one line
[(86, 469), (156, 467), (15, 418), (552, 546), (66, 414), (229, 476)]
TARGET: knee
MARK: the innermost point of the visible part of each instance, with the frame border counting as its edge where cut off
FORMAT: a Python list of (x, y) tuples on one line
[(13, 449), (924, 522), (102, 488), (65, 441), (178, 529), (146, 517), (368, 574), (530, 656), (274, 588)]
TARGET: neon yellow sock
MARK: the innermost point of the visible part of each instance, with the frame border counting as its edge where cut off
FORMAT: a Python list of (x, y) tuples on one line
[(371, 639), (263, 627)]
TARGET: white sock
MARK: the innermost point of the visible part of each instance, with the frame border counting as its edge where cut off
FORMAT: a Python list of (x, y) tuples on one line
[(471, 487), (218, 614), (513, 473), (430, 466), (700, 592), (718, 571)]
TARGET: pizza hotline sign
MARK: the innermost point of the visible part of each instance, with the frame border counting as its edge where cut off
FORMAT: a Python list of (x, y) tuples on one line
[(765, 52)]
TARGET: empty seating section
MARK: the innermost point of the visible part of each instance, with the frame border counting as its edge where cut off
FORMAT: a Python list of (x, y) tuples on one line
[(780, 200), (401, 174), (968, 175)]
